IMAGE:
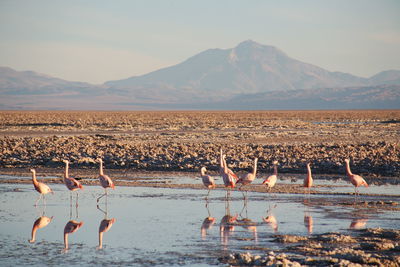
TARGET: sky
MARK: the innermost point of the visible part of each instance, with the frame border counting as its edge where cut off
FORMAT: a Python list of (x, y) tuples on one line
[(99, 40)]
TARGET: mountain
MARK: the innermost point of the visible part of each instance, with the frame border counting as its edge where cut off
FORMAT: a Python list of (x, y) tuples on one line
[(248, 76), (14, 82), (247, 68), (385, 77)]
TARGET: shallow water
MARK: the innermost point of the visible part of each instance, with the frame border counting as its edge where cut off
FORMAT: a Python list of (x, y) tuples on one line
[(159, 226)]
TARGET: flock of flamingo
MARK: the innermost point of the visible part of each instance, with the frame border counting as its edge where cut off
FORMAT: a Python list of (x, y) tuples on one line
[(229, 178)]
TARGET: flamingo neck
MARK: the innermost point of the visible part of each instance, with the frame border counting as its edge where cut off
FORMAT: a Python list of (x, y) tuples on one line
[(221, 163), (34, 180), (101, 168), (203, 172), (348, 171), (225, 167), (275, 169), (255, 167), (309, 172), (66, 170)]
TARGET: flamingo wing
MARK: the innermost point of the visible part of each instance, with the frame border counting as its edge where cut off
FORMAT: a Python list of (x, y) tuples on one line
[(106, 181)]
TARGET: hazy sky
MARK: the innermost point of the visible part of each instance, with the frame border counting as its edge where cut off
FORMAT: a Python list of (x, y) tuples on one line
[(96, 41)]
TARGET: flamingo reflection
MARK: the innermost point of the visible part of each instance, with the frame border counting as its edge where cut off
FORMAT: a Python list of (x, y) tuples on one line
[(227, 224), (308, 222), (208, 222), (105, 225), (40, 222), (71, 227), (358, 223), (247, 223), (270, 219)]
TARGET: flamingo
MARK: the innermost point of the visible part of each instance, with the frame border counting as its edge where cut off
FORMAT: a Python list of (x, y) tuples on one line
[(222, 166), (308, 181), (42, 188), (71, 227), (208, 181), (355, 179), (41, 222), (229, 180), (249, 177), (71, 183), (105, 180), (271, 180)]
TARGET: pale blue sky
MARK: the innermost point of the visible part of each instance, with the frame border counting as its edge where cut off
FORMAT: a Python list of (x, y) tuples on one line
[(96, 41)]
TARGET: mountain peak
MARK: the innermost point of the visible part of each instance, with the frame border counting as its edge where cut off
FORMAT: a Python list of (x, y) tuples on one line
[(252, 46)]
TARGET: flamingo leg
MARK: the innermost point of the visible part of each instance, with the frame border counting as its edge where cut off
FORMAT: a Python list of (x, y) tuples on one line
[(105, 194), (37, 200), (208, 194), (77, 196)]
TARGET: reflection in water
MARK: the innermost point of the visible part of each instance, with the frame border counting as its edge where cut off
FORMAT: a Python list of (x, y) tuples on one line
[(105, 225), (271, 220), (206, 225), (226, 226), (71, 227), (208, 222), (358, 223), (40, 222), (308, 222), (247, 223)]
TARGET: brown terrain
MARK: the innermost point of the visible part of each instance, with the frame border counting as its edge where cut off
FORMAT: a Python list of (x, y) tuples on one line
[(187, 140)]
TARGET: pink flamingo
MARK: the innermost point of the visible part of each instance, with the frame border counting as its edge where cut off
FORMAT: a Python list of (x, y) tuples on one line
[(71, 227), (248, 177), (42, 188), (208, 181), (271, 180), (71, 183), (223, 168), (229, 179), (41, 222), (105, 180), (308, 181), (105, 225), (355, 179)]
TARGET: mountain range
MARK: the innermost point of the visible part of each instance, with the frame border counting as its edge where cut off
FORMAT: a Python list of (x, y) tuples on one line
[(248, 76)]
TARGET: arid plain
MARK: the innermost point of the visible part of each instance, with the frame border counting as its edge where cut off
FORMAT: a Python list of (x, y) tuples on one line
[(186, 141)]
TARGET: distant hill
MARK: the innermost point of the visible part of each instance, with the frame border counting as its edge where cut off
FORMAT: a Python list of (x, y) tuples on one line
[(248, 76), (14, 82)]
